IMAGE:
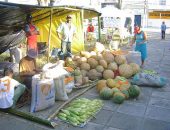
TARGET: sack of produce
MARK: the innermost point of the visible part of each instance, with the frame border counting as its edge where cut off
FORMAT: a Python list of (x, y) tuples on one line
[(43, 93), (60, 89), (61, 77), (149, 79)]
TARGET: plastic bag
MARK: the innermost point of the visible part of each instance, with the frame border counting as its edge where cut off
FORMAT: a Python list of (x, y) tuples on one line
[(43, 93), (149, 79), (134, 57)]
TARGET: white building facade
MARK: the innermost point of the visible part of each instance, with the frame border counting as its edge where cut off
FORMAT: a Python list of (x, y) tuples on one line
[(158, 11)]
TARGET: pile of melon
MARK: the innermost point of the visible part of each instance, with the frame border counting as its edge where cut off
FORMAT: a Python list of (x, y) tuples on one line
[(100, 65), (118, 89)]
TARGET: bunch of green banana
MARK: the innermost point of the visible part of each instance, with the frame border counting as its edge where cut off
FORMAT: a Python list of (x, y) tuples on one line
[(80, 110)]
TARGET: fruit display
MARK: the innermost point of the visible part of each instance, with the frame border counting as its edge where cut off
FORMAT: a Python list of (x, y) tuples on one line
[(105, 65), (118, 89), (80, 111)]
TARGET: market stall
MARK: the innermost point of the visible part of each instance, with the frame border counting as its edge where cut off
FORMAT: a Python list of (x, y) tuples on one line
[(41, 18), (56, 91), (118, 24)]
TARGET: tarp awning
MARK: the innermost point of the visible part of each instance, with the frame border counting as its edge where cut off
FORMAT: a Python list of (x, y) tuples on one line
[(13, 18)]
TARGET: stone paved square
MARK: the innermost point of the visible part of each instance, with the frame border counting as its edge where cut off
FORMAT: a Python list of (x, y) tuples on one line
[(132, 109), (158, 113), (149, 124), (124, 121)]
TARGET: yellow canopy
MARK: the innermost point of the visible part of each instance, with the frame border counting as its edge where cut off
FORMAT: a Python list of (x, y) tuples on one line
[(41, 19)]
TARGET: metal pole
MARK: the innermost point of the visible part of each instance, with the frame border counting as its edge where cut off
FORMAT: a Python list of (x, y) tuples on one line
[(82, 18), (145, 12), (49, 36), (99, 28)]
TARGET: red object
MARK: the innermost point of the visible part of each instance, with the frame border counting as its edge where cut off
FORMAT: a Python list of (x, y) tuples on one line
[(90, 28), (32, 39), (135, 30), (116, 73)]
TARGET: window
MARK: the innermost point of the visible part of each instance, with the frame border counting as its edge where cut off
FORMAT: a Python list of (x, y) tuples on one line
[(162, 2)]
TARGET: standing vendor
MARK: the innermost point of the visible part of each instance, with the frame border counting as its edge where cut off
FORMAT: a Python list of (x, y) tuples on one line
[(90, 28), (66, 32), (31, 33)]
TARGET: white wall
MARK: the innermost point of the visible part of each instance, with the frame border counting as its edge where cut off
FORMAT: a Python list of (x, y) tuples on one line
[(157, 22), (154, 4), (29, 2)]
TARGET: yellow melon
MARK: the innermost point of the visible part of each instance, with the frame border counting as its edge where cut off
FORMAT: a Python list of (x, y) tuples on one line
[(125, 70)]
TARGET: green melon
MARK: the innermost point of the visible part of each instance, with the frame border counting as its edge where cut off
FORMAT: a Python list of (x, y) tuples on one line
[(134, 91), (106, 93), (115, 90), (126, 93), (118, 98)]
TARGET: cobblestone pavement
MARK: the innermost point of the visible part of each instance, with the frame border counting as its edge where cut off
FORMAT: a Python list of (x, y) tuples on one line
[(151, 111)]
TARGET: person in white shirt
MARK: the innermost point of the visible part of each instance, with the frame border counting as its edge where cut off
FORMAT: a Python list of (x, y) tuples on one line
[(66, 32), (10, 90)]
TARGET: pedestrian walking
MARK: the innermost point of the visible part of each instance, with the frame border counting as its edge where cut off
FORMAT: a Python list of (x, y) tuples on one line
[(163, 30), (66, 32), (140, 39)]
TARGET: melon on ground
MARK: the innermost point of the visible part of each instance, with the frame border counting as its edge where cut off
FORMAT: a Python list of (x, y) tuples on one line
[(125, 70), (106, 93), (77, 72), (108, 74), (114, 90), (99, 57), (85, 80), (83, 59), (99, 68), (92, 62), (85, 54), (112, 66), (93, 74), (84, 73), (126, 93), (134, 91), (135, 67), (120, 59), (110, 83), (103, 63), (118, 98), (100, 84), (85, 66), (109, 58)]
